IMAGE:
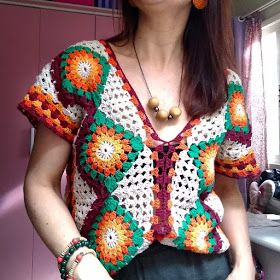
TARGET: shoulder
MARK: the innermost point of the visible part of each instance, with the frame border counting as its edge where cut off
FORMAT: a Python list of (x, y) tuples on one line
[(232, 77), (81, 71), (96, 46), (79, 54), (85, 59), (82, 53), (234, 85), (235, 91), (236, 116)]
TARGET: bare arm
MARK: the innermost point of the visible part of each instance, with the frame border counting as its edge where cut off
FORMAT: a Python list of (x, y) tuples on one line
[(44, 204), (43, 201), (235, 227)]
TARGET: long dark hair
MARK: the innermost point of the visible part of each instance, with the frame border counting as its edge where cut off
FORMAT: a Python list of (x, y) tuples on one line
[(208, 42)]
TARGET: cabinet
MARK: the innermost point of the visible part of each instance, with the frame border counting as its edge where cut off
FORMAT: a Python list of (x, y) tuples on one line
[(30, 36), (265, 241), (61, 29)]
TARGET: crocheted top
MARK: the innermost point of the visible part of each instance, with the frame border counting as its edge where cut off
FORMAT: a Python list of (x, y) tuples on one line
[(126, 187)]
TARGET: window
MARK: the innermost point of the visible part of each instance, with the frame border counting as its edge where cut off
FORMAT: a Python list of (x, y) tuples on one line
[(271, 70)]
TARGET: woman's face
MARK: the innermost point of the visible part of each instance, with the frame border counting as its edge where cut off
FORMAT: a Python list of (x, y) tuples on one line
[(150, 5)]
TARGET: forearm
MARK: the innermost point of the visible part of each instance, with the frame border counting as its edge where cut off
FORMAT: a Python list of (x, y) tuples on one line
[(45, 206), (53, 222), (49, 216), (234, 224)]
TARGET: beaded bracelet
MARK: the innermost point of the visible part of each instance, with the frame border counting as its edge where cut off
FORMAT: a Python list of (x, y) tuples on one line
[(62, 269), (64, 257), (73, 241), (77, 261)]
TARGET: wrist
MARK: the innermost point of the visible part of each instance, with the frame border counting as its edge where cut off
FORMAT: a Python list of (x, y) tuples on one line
[(88, 261), (244, 260), (239, 256), (73, 257)]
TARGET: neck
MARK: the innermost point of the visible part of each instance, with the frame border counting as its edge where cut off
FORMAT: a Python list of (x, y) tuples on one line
[(159, 37)]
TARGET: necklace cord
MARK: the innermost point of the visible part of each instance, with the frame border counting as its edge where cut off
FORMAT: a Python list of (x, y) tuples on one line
[(144, 78)]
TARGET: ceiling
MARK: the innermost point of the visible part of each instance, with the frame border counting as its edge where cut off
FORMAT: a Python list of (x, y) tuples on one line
[(241, 7)]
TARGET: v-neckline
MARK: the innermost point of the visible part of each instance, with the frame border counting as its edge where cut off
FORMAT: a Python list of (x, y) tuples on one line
[(139, 105)]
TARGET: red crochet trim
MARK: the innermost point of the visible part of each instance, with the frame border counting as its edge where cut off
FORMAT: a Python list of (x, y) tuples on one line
[(36, 107)]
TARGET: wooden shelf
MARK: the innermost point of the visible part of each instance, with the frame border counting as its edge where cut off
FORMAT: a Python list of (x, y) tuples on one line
[(66, 7)]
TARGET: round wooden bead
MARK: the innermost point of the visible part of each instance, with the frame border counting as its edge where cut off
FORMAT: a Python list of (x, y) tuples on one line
[(175, 112), (162, 115), (153, 102)]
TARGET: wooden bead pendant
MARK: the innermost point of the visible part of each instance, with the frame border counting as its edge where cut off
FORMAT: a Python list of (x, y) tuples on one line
[(162, 115), (174, 113), (153, 103)]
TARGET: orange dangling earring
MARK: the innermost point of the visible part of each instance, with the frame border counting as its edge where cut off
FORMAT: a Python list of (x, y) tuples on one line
[(200, 4)]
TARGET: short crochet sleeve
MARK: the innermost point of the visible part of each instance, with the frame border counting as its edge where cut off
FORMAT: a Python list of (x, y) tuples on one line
[(236, 157), (49, 102)]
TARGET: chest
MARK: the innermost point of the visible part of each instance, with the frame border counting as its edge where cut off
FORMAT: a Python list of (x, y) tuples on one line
[(120, 135), (119, 151), (166, 85), (123, 103)]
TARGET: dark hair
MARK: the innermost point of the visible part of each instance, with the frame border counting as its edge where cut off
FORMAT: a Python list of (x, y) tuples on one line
[(208, 42)]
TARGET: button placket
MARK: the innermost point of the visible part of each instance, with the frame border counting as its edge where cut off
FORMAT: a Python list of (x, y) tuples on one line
[(163, 180)]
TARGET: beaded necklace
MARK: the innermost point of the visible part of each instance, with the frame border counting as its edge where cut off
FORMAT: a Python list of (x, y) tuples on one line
[(153, 103)]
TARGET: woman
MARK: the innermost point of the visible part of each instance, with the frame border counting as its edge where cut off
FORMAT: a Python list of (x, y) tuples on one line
[(156, 135)]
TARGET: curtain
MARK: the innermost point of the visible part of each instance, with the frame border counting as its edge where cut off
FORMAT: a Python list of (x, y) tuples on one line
[(248, 54), (239, 38), (254, 86)]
